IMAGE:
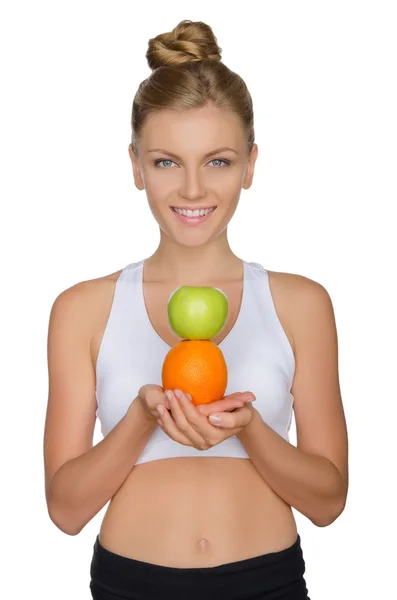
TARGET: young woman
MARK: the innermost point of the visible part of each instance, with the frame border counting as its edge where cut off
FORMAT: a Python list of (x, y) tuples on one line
[(198, 508)]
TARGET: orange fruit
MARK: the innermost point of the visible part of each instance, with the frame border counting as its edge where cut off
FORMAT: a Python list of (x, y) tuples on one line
[(198, 368)]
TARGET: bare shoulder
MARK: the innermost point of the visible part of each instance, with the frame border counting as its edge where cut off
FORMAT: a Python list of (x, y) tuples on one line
[(90, 301), (295, 295), (294, 283), (86, 296)]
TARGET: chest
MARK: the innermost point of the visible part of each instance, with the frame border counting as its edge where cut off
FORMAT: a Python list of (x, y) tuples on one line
[(138, 338), (155, 298)]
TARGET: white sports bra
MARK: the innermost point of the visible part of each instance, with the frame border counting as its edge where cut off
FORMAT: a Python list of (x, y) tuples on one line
[(257, 351)]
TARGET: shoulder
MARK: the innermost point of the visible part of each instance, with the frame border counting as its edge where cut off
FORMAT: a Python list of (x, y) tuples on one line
[(84, 308), (84, 302), (298, 287), (82, 293), (300, 300)]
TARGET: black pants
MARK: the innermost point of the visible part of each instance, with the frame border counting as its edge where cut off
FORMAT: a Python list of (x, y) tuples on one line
[(271, 576)]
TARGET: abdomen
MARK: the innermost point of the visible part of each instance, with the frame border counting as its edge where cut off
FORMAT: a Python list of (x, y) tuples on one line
[(196, 512)]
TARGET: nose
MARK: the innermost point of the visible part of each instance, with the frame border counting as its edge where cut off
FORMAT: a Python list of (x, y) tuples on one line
[(192, 186)]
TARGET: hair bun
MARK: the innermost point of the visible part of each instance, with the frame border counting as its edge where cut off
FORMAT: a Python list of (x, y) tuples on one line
[(189, 41)]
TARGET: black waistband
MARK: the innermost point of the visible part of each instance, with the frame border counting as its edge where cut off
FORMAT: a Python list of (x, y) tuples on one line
[(245, 565)]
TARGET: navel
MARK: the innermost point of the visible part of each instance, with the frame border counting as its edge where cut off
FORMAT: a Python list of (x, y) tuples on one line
[(203, 544)]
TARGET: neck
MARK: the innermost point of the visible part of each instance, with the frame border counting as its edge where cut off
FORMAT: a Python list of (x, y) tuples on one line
[(214, 261)]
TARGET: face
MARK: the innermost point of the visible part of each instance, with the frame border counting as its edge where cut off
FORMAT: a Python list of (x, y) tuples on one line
[(177, 171)]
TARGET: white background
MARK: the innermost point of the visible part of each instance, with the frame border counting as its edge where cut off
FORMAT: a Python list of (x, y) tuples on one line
[(322, 76)]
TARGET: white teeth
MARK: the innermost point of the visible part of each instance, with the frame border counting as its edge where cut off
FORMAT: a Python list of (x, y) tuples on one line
[(193, 213)]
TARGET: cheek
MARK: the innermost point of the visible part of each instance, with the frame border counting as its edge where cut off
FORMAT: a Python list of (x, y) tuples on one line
[(228, 183), (156, 206), (159, 187)]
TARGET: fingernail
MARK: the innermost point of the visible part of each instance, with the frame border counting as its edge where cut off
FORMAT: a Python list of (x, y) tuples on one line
[(168, 395), (178, 394), (215, 418)]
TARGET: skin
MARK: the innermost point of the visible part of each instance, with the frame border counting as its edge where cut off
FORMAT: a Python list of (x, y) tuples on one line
[(194, 254), (201, 511), (203, 253)]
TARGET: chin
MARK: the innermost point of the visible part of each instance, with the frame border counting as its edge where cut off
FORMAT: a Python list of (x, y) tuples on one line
[(191, 241)]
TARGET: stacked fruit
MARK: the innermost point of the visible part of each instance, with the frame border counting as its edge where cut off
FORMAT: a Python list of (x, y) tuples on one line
[(196, 365)]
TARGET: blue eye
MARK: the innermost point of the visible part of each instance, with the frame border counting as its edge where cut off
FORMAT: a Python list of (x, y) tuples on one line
[(226, 162), (168, 160), (162, 160)]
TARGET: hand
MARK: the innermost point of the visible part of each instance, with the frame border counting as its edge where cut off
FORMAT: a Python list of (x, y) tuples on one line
[(189, 425), (227, 404), (150, 396)]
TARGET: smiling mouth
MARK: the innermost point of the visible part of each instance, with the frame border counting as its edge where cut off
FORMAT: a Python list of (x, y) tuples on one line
[(198, 212), (193, 217)]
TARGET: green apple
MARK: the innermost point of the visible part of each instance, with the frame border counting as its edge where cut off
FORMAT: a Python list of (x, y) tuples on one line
[(197, 313)]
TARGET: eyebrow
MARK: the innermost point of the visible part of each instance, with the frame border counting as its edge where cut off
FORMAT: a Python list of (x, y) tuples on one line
[(222, 149)]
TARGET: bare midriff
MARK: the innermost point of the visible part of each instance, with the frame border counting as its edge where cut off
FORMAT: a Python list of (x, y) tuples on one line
[(196, 512)]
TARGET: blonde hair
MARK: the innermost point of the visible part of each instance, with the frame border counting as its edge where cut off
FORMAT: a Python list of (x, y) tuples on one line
[(187, 72)]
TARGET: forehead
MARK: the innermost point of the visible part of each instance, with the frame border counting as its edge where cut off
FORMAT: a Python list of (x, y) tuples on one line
[(209, 126)]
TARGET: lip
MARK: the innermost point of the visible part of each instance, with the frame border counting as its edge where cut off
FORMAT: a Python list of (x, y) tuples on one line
[(190, 207), (192, 221)]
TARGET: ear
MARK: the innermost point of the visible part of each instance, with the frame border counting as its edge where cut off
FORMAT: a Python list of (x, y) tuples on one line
[(136, 169), (249, 174)]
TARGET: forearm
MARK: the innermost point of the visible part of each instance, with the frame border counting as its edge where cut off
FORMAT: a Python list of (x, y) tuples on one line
[(83, 485), (308, 482)]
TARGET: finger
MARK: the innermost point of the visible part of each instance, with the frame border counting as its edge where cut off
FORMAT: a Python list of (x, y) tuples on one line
[(153, 394), (166, 422), (228, 403), (219, 406), (239, 418), (166, 402), (240, 395), (178, 402), (197, 421)]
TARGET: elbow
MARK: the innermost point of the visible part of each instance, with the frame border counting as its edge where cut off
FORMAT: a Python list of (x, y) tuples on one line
[(324, 521), (63, 523), (329, 517), (63, 517)]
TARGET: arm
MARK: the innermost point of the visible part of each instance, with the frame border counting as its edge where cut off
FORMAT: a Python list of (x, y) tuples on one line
[(313, 476), (83, 485), (80, 478)]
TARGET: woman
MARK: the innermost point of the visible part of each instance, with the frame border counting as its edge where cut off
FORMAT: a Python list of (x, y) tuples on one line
[(196, 507)]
